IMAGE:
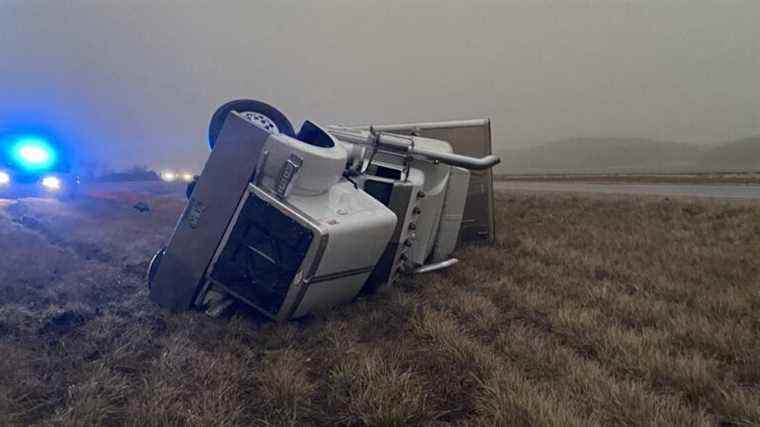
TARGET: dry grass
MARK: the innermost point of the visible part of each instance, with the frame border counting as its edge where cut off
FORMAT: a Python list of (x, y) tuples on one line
[(587, 311)]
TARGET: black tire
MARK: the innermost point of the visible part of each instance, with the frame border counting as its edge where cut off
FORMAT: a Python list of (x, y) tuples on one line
[(247, 105)]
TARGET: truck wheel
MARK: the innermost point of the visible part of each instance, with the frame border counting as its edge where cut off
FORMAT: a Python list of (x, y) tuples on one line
[(262, 115)]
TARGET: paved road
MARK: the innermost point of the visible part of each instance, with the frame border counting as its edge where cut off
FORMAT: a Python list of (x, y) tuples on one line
[(724, 191)]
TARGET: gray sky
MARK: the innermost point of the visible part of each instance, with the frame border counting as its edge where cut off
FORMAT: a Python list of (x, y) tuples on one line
[(136, 81)]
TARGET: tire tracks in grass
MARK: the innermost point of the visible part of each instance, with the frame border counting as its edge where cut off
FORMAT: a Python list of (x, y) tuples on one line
[(20, 214)]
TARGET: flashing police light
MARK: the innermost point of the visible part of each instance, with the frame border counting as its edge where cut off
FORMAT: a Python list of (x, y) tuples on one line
[(33, 153)]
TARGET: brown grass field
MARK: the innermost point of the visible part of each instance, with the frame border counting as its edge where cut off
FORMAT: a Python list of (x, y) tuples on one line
[(588, 310)]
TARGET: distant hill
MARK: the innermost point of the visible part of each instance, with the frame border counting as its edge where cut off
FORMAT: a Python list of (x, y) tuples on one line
[(600, 155), (741, 155), (630, 155)]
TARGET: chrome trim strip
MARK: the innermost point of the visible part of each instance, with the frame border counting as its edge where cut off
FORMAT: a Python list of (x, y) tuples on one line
[(305, 282)]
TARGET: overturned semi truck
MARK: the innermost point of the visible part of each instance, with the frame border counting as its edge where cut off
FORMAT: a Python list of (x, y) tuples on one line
[(295, 223)]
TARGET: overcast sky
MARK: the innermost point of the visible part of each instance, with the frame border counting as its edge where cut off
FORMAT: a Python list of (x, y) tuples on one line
[(136, 81)]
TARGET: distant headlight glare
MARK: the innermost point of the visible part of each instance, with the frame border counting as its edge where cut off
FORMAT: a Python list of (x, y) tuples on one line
[(5, 179), (168, 176), (51, 183)]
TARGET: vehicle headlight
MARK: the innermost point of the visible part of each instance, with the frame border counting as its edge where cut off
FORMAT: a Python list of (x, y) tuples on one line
[(5, 179), (168, 176), (51, 183), (187, 177)]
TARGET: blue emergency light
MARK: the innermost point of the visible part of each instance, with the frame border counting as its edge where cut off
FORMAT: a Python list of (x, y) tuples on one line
[(33, 153)]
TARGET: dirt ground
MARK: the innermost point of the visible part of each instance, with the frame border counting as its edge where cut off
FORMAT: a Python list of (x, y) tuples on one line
[(588, 310)]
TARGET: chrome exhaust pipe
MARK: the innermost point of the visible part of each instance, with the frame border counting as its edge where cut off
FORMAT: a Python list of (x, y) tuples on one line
[(436, 266), (405, 145)]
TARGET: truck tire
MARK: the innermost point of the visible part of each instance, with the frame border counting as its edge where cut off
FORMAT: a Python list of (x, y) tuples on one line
[(262, 115)]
